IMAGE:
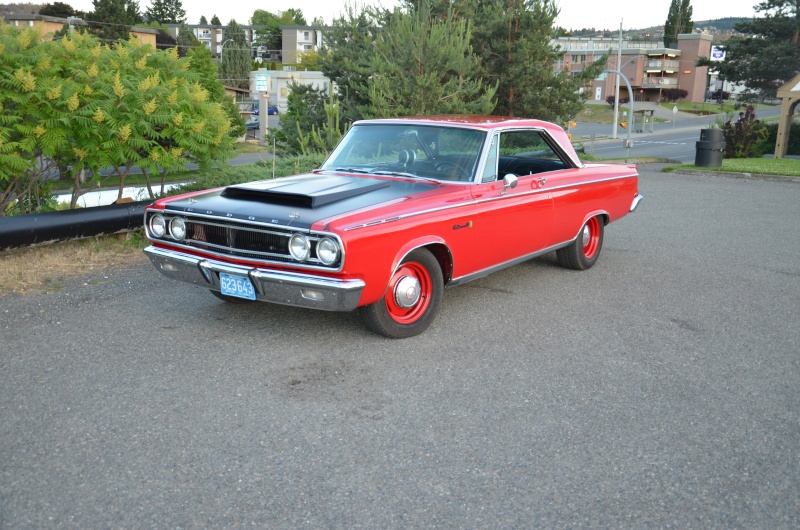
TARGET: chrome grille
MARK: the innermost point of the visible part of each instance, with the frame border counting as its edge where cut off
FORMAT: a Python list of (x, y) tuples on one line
[(241, 240)]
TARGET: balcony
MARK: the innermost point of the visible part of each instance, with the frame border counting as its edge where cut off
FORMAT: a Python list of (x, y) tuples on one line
[(663, 82), (662, 64)]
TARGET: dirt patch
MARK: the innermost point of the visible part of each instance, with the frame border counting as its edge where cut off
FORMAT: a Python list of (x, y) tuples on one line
[(44, 268)]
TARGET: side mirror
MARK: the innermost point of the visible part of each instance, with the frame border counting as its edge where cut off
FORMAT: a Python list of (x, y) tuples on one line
[(510, 182)]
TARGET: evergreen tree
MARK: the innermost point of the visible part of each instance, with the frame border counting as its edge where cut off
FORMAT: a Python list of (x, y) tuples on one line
[(513, 42), (57, 9), (203, 20), (679, 21), (424, 66), (769, 55), (111, 20), (215, 21), (235, 64), (186, 40), (166, 12)]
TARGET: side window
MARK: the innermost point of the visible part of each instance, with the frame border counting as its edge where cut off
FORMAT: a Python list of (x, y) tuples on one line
[(527, 153), (490, 170)]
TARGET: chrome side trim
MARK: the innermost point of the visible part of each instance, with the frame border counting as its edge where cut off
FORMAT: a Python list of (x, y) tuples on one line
[(636, 201), (505, 265), (278, 287), (488, 199)]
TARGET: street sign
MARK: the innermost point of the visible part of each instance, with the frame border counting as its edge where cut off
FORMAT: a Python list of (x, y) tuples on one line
[(262, 82)]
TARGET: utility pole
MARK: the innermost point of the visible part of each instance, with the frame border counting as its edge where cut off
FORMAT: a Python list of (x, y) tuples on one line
[(616, 91)]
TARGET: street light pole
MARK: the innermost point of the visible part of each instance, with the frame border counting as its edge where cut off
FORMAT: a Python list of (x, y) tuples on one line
[(616, 91), (628, 143), (226, 41)]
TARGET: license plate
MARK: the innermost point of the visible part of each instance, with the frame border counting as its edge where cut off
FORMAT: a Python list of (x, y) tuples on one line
[(238, 286)]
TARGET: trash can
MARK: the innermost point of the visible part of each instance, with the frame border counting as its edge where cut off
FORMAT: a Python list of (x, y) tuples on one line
[(709, 149)]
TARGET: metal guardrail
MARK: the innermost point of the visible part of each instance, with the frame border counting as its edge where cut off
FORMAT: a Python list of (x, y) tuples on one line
[(26, 230)]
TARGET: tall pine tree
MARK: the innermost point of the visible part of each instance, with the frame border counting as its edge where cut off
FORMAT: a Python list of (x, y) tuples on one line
[(235, 62), (111, 20), (166, 12), (679, 20)]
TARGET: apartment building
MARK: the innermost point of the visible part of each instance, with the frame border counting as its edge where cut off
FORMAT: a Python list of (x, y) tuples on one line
[(296, 40), (649, 66)]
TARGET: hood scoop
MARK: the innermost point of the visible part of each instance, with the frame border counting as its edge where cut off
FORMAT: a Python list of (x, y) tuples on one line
[(305, 191)]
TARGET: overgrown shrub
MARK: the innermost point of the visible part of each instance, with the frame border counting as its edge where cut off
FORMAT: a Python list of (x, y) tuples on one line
[(744, 138), (772, 136), (674, 94)]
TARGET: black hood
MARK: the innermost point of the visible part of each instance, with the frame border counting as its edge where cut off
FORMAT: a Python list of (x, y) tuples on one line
[(300, 200)]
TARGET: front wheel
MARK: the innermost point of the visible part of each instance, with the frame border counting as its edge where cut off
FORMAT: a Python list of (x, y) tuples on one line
[(583, 252), (412, 298)]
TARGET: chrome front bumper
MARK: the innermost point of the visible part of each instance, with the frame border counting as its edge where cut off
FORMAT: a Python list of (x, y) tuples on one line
[(278, 287)]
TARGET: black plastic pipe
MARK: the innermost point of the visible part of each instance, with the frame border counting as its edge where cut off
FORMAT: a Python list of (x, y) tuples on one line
[(25, 230)]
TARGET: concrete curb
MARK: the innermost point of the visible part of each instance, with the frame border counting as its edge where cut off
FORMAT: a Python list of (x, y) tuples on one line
[(731, 174)]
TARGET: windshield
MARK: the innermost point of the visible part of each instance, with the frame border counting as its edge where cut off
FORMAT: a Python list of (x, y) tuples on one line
[(425, 151)]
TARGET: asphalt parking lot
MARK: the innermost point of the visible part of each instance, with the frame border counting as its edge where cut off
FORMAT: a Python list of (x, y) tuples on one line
[(658, 389)]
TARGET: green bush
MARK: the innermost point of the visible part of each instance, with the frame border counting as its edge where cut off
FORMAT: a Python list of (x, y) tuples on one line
[(744, 138), (772, 137)]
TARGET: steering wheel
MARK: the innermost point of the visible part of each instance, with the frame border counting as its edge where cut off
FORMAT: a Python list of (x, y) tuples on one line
[(407, 157), (451, 168)]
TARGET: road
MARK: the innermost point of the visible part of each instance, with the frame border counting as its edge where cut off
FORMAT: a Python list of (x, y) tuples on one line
[(674, 140), (658, 389)]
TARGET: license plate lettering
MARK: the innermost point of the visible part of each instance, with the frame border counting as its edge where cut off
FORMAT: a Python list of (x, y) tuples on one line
[(238, 286)]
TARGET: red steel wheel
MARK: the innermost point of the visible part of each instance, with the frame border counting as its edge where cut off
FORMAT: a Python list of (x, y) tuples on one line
[(409, 294), (582, 253), (591, 234), (411, 300)]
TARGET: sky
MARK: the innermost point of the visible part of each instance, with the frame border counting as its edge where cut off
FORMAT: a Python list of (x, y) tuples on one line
[(575, 14)]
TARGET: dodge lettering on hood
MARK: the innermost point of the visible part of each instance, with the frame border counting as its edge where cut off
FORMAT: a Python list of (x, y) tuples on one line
[(401, 209)]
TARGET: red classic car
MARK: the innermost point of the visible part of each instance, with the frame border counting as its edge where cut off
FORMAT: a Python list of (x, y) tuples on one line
[(401, 209)]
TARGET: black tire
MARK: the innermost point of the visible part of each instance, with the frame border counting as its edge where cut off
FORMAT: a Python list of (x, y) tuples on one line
[(423, 285), (231, 299), (582, 253)]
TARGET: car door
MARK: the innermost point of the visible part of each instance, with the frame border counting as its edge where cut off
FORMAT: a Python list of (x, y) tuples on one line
[(511, 222)]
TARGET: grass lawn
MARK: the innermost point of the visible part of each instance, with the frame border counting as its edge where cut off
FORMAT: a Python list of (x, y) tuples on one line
[(788, 167)]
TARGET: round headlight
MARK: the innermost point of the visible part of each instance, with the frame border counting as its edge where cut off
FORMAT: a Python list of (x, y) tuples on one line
[(158, 226), (177, 228), (299, 247), (328, 250)]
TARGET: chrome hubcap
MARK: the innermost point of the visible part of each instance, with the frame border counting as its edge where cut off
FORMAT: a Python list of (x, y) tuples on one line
[(587, 234), (407, 292)]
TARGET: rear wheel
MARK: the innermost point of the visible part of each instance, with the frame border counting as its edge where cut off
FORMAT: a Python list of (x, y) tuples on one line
[(412, 298), (584, 251)]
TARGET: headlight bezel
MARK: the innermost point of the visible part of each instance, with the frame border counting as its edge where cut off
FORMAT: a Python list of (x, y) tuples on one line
[(177, 228), (334, 251), (158, 224), (299, 242)]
